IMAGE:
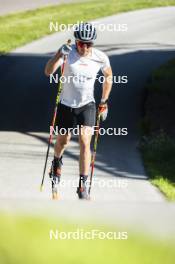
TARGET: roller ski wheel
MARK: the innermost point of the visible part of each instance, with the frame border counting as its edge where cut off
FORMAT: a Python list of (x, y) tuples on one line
[(55, 194)]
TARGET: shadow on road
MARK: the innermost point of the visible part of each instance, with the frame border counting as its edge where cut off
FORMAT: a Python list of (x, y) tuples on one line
[(27, 103)]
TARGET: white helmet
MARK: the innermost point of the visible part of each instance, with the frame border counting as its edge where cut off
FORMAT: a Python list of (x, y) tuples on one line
[(85, 32)]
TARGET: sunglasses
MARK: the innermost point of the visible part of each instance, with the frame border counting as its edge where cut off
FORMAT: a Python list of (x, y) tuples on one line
[(88, 44)]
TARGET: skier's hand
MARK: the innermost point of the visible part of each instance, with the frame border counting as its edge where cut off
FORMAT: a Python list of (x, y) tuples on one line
[(103, 111), (65, 49)]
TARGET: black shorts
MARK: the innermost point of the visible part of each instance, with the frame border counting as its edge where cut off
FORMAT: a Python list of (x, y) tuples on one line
[(68, 117)]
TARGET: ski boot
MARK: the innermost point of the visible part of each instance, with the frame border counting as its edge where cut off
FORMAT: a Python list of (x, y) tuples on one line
[(55, 175), (82, 189)]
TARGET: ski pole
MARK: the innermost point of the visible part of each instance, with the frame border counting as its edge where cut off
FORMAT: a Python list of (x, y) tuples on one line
[(94, 150), (53, 120)]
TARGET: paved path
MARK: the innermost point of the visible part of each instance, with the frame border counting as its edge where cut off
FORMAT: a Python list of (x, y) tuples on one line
[(132, 200)]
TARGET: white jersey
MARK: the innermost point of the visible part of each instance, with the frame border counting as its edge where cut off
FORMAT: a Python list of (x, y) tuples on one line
[(80, 75)]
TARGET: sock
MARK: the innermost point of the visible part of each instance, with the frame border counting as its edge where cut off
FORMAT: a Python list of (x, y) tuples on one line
[(57, 164), (83, 179), (58, 161)]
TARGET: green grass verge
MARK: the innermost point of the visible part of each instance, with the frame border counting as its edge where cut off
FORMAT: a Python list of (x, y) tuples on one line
[(159, 158), (21, 28), (26, 240), (158, 146)]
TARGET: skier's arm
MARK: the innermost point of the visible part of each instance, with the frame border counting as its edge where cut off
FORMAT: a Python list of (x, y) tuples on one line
[(107, 85), (53, 64)]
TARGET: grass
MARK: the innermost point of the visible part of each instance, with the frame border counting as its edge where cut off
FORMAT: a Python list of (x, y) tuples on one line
[(21, 28), (26, 240), (158, 146), (159, 158)]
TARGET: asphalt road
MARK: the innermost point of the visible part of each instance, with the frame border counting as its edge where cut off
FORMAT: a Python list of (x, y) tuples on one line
[(27, 107)]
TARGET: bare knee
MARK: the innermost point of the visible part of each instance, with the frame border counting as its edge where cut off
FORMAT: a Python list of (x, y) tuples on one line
[(84, 144), (62, 141)]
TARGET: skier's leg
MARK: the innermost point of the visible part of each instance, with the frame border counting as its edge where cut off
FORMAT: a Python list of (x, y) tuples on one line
[(61, 143), (84, 161), (85, 151), (55, 172)]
